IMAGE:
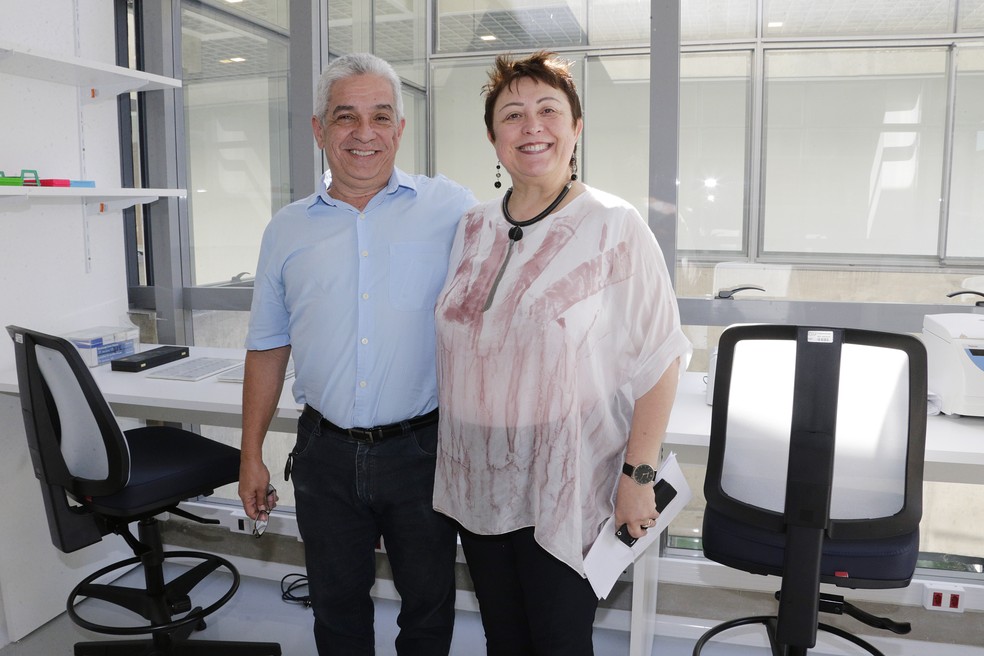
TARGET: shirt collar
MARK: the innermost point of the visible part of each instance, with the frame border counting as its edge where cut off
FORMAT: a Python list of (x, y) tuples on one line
[(397, 180)]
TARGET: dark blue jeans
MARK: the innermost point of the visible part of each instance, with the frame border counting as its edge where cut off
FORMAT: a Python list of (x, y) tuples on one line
[(348, 494)]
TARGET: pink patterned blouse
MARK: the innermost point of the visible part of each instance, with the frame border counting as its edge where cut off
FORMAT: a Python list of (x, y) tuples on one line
[(537, 389)]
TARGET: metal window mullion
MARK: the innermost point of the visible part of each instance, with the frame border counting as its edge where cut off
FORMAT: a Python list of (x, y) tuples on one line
[(664, 127), (430, 44), (164, 155), (308, 26), (754, 242), (949, 124)]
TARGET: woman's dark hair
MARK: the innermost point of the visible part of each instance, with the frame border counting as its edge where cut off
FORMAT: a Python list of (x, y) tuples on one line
[(542, 66)]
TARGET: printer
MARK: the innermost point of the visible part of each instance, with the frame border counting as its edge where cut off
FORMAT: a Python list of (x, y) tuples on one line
[(955, 353)]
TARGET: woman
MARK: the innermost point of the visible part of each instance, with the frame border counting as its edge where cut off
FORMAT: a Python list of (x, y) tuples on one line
[(559, 349)]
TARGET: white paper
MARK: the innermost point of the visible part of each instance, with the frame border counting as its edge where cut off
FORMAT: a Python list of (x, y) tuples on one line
[(609, 556)]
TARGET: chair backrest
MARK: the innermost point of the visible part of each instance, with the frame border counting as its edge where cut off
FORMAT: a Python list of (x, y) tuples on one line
[(76, 445), (823, 426)]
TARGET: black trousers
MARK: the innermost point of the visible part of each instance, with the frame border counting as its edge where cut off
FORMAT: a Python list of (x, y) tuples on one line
[(531, 603)]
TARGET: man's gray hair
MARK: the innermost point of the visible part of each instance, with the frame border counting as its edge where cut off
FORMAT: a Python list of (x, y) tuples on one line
[(359, 63)]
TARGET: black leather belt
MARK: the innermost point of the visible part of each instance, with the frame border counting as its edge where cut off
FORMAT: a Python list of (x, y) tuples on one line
[(376, 433)]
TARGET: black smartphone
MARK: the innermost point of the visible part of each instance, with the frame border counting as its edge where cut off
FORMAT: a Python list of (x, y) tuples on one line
[(664, 493)]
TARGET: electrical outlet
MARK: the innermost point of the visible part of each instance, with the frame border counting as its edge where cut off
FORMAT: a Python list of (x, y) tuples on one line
[(239, 523), (947, 597)]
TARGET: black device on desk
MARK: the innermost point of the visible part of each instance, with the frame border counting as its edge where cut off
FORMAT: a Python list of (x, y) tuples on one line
[(664, 493), (150, 359)]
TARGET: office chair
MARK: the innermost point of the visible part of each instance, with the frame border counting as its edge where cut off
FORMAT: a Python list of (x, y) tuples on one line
[(97, 479), (815, 469)]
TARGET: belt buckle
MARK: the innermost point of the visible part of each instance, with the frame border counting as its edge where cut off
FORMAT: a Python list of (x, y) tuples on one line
[(364, 434)]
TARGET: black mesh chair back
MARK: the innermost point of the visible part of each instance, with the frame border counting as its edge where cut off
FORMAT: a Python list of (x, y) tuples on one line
[(97, 479), (815, 469)]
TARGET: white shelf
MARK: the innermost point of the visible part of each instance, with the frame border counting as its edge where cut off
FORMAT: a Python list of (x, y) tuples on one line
[(97, 201), (102, 81)]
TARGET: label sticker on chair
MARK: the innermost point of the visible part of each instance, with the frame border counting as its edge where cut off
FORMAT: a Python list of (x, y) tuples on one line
[(820, 336)]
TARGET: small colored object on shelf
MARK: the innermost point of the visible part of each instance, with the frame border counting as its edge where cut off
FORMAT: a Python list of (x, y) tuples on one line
[(27, 178), (10, 180), (30, 178), (55, 182), (81, 183)]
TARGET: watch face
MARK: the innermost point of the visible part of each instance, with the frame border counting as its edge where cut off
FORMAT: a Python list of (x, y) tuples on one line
[(643, 474)]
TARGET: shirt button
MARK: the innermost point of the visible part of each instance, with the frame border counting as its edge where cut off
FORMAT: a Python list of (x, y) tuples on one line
[(365, 340), (361, 216), (365, 297), (365, 253), (362, 383)]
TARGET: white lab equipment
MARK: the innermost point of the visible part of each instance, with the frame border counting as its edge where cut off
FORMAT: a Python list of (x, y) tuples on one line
[(955, 354)]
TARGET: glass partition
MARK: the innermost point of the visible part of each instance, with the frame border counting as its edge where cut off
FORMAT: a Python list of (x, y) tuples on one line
[(399, 37), (706, 20), (965, 238), (509, 25), (235, 92), (615, 92), (971, 17), (715, 96), (853, 157), (784, 18)]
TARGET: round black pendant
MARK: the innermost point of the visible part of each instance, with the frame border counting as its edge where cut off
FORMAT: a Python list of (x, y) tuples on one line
[(515, 233)]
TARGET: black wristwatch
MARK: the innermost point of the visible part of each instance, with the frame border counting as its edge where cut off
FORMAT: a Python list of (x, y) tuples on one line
[(641, 474)]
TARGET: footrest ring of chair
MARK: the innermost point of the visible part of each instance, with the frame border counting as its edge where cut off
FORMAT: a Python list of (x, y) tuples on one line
[(766, 620), (142, 602), (725, 626)]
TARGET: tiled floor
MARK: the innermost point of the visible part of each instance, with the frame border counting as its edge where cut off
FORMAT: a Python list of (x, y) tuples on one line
[(258, 613)]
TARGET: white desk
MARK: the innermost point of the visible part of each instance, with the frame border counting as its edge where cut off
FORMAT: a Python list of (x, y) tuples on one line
[(954, 445), (209, 402)]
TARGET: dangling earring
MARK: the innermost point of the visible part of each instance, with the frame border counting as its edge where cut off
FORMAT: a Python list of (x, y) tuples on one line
[(498, 174), (573, 168)]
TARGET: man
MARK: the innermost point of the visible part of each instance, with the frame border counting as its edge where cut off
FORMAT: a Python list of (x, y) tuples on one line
[(346, 283)]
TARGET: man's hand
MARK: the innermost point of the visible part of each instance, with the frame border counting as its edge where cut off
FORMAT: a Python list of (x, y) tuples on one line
[(254, 479)]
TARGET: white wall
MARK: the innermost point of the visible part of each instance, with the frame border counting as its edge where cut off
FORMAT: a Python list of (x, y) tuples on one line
[(44, 281)]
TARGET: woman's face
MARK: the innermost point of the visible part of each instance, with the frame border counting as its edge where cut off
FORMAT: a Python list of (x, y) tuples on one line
[(534, 133)]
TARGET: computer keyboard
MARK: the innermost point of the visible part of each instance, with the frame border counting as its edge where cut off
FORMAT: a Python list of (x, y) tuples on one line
[(195, 369)]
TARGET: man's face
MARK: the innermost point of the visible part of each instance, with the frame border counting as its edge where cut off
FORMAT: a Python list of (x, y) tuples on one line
[(360, 133)]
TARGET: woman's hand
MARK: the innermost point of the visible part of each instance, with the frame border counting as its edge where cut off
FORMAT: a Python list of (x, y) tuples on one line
[(635, 506)]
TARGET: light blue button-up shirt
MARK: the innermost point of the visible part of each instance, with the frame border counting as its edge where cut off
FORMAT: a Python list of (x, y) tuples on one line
[(353, 294)]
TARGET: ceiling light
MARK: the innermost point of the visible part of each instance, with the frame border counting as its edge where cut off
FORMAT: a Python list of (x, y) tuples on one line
[(710, 183), (775, 24), (232, 2), (488, 37), (232, 60)]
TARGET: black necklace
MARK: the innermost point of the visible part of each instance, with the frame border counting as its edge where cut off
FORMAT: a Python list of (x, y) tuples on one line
[(516, 232)]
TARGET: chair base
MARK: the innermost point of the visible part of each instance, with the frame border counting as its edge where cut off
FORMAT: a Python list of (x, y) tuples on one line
[(179, 648), (160, 602), (770, 621)]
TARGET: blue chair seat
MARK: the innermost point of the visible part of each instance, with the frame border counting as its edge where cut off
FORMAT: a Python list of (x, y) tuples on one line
[(868, 563)]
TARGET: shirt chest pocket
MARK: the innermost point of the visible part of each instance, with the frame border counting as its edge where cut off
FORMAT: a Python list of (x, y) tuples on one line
[(417, 272)]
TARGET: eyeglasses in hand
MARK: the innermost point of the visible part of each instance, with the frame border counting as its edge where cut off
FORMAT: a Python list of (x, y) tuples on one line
[(263, 516)]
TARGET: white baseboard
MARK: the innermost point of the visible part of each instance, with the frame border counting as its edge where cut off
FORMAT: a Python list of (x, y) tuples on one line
[(681, 570)]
